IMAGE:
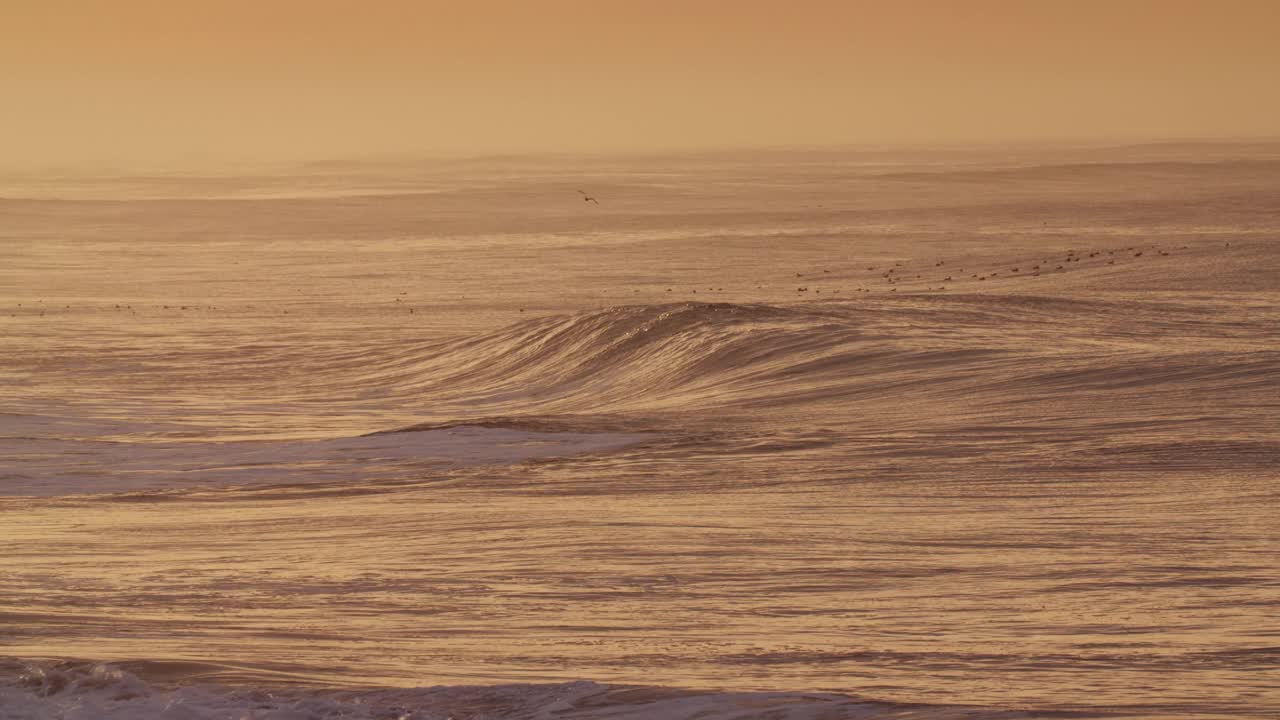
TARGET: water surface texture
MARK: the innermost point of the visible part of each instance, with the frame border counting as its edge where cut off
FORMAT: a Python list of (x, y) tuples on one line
[(946, 434)]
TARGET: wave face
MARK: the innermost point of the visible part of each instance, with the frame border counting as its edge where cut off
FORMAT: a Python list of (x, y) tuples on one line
[(948, 436)]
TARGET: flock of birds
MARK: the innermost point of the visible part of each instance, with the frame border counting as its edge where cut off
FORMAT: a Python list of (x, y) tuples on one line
[(896, 273)]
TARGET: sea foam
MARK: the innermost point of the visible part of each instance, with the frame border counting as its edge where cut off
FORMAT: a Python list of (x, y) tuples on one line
[(90, 691)]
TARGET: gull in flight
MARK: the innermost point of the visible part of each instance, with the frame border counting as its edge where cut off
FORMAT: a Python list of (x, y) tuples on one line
[(588, 198)]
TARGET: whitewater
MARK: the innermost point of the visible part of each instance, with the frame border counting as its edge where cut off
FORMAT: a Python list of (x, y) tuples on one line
[(930, 433)]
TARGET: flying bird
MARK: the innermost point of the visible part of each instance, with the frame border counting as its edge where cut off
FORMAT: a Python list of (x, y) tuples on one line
[(588, 198)]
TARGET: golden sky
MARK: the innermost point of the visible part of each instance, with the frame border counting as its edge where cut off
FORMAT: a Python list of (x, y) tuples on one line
[(188, 81)]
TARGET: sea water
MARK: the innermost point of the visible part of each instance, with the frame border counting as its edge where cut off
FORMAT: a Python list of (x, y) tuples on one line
[(867, 433)]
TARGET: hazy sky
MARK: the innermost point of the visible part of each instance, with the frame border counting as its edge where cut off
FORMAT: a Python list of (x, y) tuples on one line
[(183, 81)]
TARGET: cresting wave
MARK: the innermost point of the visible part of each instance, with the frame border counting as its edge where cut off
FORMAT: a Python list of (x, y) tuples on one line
[(94, 691), (602, 380), (651, 358)]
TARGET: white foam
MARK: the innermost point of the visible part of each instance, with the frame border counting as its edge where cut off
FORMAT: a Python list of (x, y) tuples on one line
[(55, 466), (103, 692)]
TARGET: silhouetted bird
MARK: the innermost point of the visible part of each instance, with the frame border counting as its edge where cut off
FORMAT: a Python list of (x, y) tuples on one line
[(588, 198)]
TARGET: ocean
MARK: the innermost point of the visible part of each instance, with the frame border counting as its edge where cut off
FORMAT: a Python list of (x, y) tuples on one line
[(866, 433)]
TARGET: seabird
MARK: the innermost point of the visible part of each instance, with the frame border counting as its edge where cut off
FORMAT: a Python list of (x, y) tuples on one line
[(588, 198)]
